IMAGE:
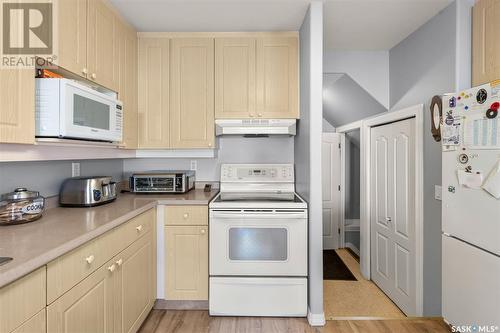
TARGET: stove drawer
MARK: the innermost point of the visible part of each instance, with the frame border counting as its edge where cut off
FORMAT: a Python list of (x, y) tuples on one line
[(275, 297)]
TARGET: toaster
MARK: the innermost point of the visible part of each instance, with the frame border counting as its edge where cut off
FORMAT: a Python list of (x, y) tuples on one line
[(87, 191)]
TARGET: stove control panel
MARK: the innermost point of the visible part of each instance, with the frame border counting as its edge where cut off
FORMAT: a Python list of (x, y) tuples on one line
[(257, 173)]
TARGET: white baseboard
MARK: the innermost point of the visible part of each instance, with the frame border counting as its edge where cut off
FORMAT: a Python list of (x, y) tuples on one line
[(316, 319), (352, 247)]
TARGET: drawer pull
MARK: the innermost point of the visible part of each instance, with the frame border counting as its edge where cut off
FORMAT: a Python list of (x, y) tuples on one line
[(90, 259), (203, 231), (139, 228), (186, 215), (112, 268), (119, 262)]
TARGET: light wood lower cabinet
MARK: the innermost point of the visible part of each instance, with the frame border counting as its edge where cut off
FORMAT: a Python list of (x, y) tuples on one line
[(36, 324), (115, 298), (186, 262), (21, 300), (87, 307)]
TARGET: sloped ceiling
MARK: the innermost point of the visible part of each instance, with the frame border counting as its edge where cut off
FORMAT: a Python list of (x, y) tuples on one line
[(345, 101)]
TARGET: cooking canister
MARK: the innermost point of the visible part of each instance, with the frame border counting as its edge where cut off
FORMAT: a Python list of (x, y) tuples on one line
[(21, 206)]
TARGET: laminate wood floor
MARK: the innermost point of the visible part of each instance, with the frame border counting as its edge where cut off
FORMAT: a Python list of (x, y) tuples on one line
[(182, 321)]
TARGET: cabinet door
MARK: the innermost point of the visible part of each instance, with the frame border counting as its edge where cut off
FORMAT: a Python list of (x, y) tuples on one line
[(186, 262), (234, 77), (192, 93), (101, 48), (17, 114), (485, 46), (134, 284), (35, 324), (87, 307), (154, 101), (72, 29), (277, 77), (127, 89)]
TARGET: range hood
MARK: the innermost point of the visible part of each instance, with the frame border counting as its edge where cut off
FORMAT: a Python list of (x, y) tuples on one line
[(255, 127)]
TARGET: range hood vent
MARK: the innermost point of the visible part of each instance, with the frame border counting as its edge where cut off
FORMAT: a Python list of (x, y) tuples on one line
[(255, 127)]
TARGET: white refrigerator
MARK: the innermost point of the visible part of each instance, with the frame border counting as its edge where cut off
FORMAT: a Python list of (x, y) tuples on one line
[(470, 132)]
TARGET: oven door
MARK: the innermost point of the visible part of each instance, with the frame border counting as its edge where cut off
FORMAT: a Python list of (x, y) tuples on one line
[(258, 242), (88, 114)]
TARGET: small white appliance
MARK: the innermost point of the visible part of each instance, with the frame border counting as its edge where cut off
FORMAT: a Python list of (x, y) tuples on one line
[(470, 133), (255, 127), (258, 243), (68, 109)]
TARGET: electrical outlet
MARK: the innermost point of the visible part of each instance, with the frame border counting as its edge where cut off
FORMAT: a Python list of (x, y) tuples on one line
[(75, 169), (438, 191), (194, 165)]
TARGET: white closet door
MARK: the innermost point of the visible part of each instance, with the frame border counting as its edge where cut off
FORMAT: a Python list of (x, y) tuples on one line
[(331, 190), (392, 216)]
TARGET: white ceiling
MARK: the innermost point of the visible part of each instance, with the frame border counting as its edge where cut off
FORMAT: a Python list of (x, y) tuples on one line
[(349, 24)]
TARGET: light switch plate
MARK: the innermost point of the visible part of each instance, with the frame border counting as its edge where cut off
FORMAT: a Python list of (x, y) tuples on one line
[(75, 169), (438, 191)]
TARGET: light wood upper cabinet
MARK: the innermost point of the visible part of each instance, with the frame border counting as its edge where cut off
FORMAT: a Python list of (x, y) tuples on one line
[(154, 92), (485, 46), (186, 262), (72, 30), (192, 93), (101, 48), (235, 94), (17, 100), (127, 91), (277, 77)]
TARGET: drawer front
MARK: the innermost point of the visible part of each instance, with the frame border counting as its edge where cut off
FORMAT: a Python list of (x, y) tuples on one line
[(66, 271), (186, 215), (139, 226), (22, 299)]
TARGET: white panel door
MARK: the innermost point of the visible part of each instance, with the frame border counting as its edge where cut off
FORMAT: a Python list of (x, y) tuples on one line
[(392, 216), (331, 190)]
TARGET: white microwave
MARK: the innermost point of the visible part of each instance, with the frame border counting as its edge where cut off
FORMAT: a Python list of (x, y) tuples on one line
[(68, 109)]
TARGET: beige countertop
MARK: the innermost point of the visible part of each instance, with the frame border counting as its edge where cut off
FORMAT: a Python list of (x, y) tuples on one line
[(63, 229)]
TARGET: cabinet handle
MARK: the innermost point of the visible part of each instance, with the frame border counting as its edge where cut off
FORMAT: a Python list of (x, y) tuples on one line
[(112, 268), (251, 115), (259, 115), (203, 231), (139, 228), (119, 262), (186, 215), (90, 259), (85, 71), (210, 144), (93, 76)]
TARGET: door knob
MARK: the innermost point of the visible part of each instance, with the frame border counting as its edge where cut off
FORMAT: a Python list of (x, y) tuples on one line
[(259, 115), (186, 215), (112, 268), (119, 262), (93, 76), (85, 71), (139, 228), (203, 231), (388, 219)]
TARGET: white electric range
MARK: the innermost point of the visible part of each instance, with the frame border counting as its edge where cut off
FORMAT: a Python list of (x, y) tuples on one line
[(258, 243)]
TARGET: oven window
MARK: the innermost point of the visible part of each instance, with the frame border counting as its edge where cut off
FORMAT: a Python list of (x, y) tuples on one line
[(90, 113), (258, 244)]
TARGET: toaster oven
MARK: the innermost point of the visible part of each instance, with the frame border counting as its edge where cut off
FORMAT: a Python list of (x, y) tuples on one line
[(180, 181)]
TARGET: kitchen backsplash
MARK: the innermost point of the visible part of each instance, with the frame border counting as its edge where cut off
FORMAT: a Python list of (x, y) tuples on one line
[(231, 150), (47, 176)]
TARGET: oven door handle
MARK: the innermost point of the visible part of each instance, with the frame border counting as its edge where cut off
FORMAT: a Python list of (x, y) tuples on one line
[(281, 215)]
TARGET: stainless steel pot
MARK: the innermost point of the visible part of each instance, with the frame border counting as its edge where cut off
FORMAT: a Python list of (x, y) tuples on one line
[(21, 206)]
